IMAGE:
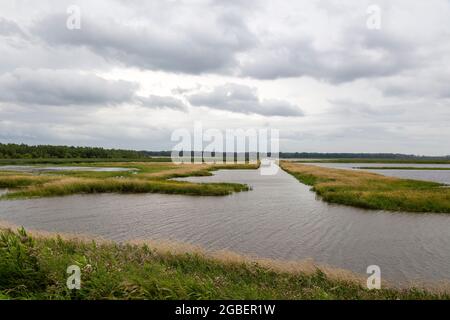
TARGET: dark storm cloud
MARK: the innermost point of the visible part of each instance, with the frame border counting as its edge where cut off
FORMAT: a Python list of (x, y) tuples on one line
[(188, 48), (243, 99), (69, 88), (361, 54), (62, 87), (213, 47), (173, 38)]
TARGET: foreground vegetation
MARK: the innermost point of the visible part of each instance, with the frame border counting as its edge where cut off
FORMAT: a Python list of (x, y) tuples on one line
[(35, 268), (370, 190), (143, 177)]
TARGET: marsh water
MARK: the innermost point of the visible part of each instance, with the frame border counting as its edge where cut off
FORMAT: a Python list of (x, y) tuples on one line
[(279, 218)]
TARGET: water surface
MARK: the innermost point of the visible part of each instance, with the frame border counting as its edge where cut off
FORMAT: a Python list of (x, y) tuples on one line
[(280, 218)]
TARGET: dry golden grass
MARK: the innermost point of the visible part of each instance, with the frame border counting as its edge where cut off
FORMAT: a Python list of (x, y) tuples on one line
[(225, 257), (150, 177), (329, 280), (370, 190)]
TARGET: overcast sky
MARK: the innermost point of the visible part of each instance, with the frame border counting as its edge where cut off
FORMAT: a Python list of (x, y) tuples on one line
[(137, 70)]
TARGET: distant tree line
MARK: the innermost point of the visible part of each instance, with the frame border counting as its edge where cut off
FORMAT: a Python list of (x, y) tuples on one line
[(23, 151), (157, 153), (308, 155), (317, 155)]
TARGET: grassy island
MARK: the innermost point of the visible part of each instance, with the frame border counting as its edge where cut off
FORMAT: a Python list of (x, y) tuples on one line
[(371, 191), (142, 177)]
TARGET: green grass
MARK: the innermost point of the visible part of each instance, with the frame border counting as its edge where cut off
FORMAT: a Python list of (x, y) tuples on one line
[(412, 161), (372, 191), (61, 161), (149, 178), (20, 181), (127, 186), (401, 168), (35, 268)]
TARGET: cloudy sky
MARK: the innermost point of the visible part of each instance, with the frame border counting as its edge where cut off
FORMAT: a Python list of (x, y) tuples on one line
[(316, 70)]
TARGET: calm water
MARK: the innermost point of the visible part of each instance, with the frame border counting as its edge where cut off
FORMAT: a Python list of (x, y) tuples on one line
[(62, 168), (442, 176), (280, 218)]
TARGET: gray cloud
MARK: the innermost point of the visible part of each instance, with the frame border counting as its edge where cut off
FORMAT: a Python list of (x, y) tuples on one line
[(68, 88), (350, 77), (351, 108), (10, 28), (243, 99), (213, 45), (234, 38), (334, 44), (153, 101), (428, 83), (184, 47), (366, 56), (62, 87)]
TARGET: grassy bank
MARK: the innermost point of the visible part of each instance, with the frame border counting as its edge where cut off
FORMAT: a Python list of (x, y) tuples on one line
[(145, 177), (77, 160), (370, 190), (35, 268), (401, 168), (357, 160)]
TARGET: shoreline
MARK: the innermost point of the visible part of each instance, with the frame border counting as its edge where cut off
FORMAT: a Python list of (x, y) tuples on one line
[(305, 266), (367, 190), (145, 271), (151, 177)]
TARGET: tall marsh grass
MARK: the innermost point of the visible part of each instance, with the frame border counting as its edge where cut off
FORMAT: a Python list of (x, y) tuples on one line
[(150, 178), (35, 268), (370, 190), (75, 186)]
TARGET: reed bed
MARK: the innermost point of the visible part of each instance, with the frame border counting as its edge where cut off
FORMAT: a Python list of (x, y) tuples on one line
[(34, 267), (144, 178), (370, 190)]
